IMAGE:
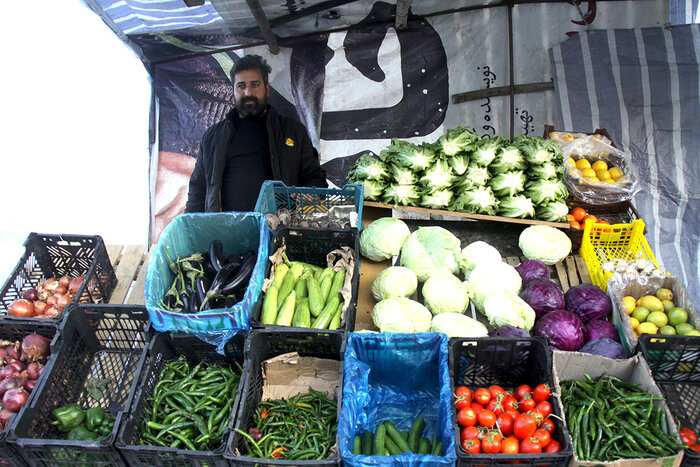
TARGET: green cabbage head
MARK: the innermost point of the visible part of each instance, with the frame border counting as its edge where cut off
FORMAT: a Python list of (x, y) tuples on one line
[(475, 253), (489, 278), (545, 243), (399, 314), (429, 250), (394, 281), (383, 238), (445, 293), (458, 325)]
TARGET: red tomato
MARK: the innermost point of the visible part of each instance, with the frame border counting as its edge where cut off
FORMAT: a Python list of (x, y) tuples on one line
[(537, 415), (466, 417), (495, 406), (510, 445), (505, 423), (688, 436), (524, 426), (463, 391), (472, 445), (695, 447), (530, 445), (522, 391), (513, 413), (495, 390), (477, 408), (482, 396), (468, 433), (545, 408), (541, 392), (553, 446), (526, 404), (491, 444), (486, 418), (549, 425), (543, 436), (509, 403)]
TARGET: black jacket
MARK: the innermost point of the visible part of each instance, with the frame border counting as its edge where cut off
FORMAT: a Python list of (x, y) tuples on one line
[(292, 156)]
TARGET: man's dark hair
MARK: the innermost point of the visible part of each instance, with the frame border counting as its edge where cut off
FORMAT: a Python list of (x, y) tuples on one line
[(251, 62)]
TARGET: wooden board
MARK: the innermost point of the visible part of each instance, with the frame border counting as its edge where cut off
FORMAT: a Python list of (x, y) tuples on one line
[(127, 262), (466, 215)]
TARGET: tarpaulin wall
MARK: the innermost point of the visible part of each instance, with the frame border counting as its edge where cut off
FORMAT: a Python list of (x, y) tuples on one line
[(357, 88), (642, 86)]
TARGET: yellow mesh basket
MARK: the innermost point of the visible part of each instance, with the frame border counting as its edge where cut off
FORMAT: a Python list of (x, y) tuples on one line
[(603, 242)]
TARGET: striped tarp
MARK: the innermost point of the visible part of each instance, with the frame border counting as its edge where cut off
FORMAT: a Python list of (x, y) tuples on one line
[(684, 11), (642, 85)]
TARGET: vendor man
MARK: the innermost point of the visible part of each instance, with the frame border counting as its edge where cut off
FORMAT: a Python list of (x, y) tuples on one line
[(252, 144)]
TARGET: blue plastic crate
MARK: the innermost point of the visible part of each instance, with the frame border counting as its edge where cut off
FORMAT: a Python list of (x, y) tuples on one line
[(191, 233), (275, 195)]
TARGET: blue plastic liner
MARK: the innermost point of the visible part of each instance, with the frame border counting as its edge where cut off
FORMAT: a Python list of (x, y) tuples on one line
[(191, 233), (397, 377)]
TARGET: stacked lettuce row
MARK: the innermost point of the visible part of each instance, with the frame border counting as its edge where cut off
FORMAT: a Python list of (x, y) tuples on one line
[(463, 172)]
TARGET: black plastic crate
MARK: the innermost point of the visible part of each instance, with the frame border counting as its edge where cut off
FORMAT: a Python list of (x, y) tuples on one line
[(311, 246), (507, 362), (165, 348), (97, 341), (264, 344), (48, 255), (674, 362), (14, 330)]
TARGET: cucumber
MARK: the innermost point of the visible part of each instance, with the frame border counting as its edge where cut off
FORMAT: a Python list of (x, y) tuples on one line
[(269, 308), (281, 270), (424, 446), (391, 447), (367, 443), (286, 311), (414, 435), (379, 438), (396, 437), (357, 445), (438, 450), (315, 299), (324, 319)]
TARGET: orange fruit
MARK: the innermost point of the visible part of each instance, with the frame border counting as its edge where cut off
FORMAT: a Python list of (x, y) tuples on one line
[(592, 217), (575, 225), (579, 214)]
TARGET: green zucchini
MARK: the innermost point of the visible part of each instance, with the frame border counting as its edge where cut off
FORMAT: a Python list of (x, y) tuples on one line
[(269, 308), (315, 299), (324, 319), (286, 311)]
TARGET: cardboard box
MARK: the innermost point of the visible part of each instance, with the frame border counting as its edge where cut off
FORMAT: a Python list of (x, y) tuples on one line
[(637, 287), (573, 365), (289, 374)]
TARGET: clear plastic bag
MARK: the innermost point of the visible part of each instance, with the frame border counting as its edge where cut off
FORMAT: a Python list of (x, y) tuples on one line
[(620, 186)]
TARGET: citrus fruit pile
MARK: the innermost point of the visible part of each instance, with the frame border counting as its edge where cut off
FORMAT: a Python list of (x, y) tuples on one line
[(657, 314), (596, 171)]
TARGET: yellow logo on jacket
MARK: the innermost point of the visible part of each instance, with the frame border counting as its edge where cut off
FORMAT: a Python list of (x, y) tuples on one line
[(289, 142)]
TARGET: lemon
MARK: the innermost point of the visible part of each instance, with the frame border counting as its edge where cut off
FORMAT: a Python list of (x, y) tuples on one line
[(603, 175), (634, 323), (629, 304), (652, 303), (684, 328), (583, 164), (658, 318), (572, 161), (664, 294), (677, 316), (588, 172), (668, 330), (647, 328), (615, 173), (639, 301), (668, 305), (640, 313), (599, 165)]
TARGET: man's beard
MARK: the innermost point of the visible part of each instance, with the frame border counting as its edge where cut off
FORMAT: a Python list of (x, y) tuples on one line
[(250, 106)]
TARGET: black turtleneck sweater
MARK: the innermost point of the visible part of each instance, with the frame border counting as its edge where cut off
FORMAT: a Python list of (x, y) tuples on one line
[(247, 164)]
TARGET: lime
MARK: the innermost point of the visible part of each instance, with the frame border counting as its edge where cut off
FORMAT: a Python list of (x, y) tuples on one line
[(668, 305), (684, 328), (664, 294), (677, 316), (694, 332), (668, 330), (658, 318), (640, 313), (647, 328)]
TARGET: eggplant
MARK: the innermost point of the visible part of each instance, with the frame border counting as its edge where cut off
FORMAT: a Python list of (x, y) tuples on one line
[(217, 284), (241, 278), (216, 254)]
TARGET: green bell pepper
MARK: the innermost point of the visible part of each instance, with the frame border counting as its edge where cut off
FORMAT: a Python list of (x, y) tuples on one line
[(94, 416), (81, 433), (68, 417)]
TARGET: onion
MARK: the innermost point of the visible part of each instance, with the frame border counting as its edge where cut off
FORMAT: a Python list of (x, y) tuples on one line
[(33, 370), (52, 312), (75, 284), (6, 372), (30, 295), (14, 399), (9, 383), (30, 384), (39, 307), (3, 354), (21, 308), (60, 290), (41, 316), (13, 351), (35, 347), (45, 294), (17, 365), (64, 281), (41, 370), (5, 416), (51, 284), (63, 301)]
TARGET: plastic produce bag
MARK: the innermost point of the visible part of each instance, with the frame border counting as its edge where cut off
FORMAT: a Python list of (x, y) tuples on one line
[(590, 190), (191, 233), (397, 377)]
